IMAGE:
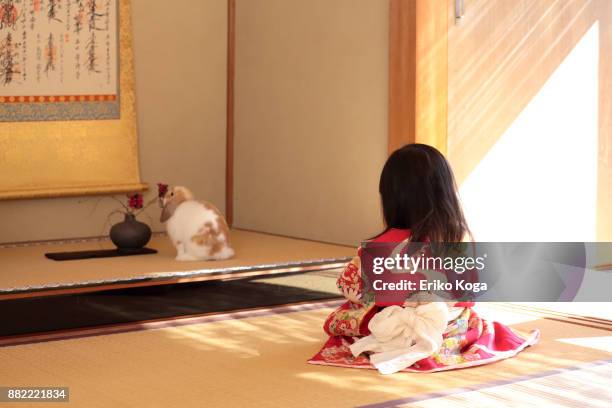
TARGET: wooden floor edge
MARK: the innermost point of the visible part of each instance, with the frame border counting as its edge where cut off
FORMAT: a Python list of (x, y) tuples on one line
[(55, 291)]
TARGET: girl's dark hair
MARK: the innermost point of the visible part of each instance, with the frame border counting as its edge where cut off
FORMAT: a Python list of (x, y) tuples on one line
[(418, 192)]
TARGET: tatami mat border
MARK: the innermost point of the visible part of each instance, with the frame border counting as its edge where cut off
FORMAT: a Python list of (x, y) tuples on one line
[(292, 266)]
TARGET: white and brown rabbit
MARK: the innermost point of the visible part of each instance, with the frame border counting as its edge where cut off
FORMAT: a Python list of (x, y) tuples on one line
[(197, 228)]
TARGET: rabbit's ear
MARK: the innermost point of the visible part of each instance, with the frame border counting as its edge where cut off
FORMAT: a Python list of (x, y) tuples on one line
[(168, 210)]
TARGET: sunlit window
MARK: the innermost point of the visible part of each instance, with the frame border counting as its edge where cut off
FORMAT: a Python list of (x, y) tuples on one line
[(539, 181)]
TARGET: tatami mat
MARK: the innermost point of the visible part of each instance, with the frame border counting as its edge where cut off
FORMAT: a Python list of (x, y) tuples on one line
[(28, 267), (585, 385), (258, 359)]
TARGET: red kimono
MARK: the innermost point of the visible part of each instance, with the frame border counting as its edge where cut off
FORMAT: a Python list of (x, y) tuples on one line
[(468, 340)]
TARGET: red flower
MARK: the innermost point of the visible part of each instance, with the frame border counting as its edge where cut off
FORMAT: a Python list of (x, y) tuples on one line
[(135, 201), (161, 189)]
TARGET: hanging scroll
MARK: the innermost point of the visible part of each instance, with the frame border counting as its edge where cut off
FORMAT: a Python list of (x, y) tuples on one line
[(58, 60), (67, 114)]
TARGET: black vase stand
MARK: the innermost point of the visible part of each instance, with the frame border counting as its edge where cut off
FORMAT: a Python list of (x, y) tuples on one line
[(101, 253)]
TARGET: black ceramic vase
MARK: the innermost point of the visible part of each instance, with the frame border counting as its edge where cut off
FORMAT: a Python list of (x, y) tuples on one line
[(130, 234)]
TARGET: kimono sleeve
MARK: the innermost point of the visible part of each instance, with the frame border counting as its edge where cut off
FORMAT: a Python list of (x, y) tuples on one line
[(351, 276)]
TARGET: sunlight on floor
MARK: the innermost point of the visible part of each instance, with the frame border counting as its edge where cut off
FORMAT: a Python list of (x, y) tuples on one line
[(584, 387), (233, 335), (506, 316), (603, 343), (598, 310)]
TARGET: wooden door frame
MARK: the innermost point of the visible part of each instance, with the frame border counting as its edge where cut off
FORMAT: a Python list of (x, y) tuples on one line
[(418, 73), (229, 153), (418, 86)]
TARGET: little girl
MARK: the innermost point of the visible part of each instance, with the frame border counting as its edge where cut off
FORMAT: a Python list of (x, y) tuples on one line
[(420, 203)]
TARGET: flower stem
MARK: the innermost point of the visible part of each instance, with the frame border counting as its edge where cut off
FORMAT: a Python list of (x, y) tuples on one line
[(120, 202), (147, 205)]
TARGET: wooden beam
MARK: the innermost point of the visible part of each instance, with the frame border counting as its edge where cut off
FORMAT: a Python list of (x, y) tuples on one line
[(418, 67), (229, 160), (604, 178), (402, 73)]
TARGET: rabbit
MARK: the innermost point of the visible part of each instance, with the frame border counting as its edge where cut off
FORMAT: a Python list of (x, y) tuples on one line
[(196, 228)]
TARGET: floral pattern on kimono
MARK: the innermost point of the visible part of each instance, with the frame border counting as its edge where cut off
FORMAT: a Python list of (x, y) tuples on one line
[(468, 340), (351, 319)]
